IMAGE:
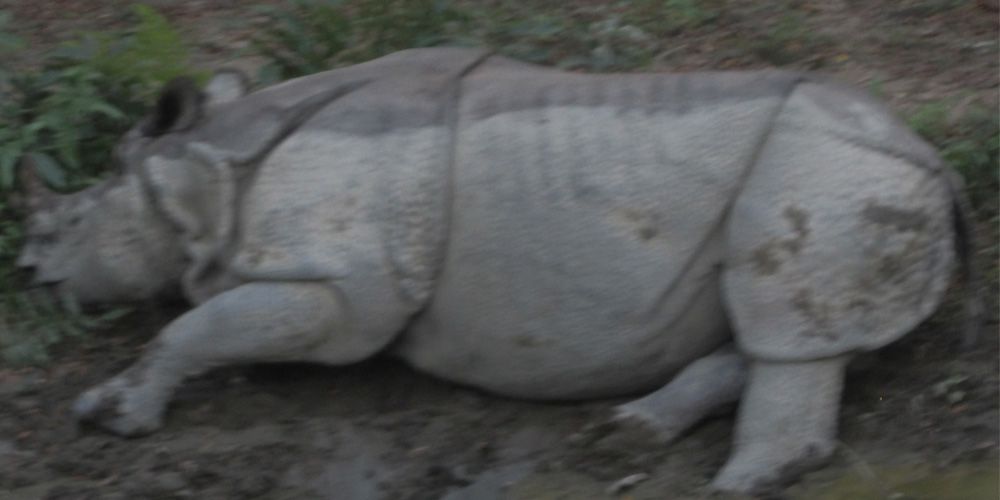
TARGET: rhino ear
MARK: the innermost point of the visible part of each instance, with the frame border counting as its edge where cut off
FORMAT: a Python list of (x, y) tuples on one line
[(225, 86), (178, 108)]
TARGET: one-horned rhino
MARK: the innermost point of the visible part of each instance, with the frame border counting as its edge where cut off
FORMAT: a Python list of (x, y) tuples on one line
[(703, 238)]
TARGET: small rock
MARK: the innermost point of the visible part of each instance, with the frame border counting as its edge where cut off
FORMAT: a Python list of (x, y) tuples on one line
[(25, 404), (626, 483), (255, 486), (167, 482), (9, 449), (21, 384)]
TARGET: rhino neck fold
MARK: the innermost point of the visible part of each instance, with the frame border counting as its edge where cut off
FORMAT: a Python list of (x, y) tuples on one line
[(196, 194), (453, 117), (284, 122)]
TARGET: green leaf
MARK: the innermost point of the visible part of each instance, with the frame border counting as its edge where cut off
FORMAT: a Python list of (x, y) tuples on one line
[(48, 169), (268, 74), (8, 41), (46, 79), (80, 51), (103, 108), (116, 313), (8, 166), (70, 304)]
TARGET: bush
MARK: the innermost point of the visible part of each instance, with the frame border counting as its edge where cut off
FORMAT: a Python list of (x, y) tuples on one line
[(590, 40), (137, 62), (315, 35), (669, 17), (968, 137), (66, 116), (309, 36)]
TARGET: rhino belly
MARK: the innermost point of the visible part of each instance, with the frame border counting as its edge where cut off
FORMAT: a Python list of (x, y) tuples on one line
[(583, 243), (528, 327)]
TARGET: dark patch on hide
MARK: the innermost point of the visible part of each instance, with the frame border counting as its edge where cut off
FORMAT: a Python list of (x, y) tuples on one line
[(642, 223), (527, 341), (817, 313), (767, 258), (899, 219), (799, 220)]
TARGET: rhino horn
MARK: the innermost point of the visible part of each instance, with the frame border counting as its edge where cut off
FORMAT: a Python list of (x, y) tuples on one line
[(179, 107)]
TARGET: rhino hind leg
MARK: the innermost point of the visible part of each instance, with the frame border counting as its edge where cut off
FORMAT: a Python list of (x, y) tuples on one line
[(787, 423), (704, 388), (839, 242), (257, 322)]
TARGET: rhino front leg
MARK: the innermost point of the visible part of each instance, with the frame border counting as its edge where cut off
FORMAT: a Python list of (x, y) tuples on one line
[(708, 385), (787, 423), (258, 322)]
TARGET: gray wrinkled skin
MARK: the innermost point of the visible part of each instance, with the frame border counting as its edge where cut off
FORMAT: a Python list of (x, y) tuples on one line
[(703, 239)]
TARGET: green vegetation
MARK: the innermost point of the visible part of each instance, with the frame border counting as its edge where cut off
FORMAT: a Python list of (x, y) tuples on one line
[(968, 136), (135, 63), (592, 40), (925, 8), (65, 116), (314, 35), (309, 36), (789, 40), (670, 17)]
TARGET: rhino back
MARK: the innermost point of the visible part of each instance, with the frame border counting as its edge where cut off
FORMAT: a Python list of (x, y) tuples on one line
[(583, 221)]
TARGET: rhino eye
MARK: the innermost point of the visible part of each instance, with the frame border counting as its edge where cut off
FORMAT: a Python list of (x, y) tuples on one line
[(74, 220)]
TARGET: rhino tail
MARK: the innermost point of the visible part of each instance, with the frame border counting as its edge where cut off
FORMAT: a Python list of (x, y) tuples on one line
[(965, 248)]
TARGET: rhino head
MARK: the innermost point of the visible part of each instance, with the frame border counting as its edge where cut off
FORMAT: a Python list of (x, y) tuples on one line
[(108, 242), (160, 220), (102, 244)]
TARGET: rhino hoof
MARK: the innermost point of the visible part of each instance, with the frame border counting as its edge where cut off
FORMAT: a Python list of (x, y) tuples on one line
[(618, 428), (761, 469), (625, 417), (112, 407)]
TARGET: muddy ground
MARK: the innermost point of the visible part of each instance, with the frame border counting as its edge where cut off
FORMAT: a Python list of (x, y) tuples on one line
[(920, 418)]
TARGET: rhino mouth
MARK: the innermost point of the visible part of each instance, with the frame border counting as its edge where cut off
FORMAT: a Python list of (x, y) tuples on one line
[(36, 282), (56, 292), (50, 288)]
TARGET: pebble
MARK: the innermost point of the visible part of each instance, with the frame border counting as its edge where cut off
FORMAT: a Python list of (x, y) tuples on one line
[(626, 483), (9, 449), (169, 481)]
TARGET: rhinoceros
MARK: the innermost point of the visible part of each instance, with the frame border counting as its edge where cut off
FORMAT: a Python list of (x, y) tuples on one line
[(693, 239)]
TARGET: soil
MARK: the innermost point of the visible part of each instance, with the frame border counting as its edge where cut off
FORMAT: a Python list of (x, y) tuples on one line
[(919, 420)]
